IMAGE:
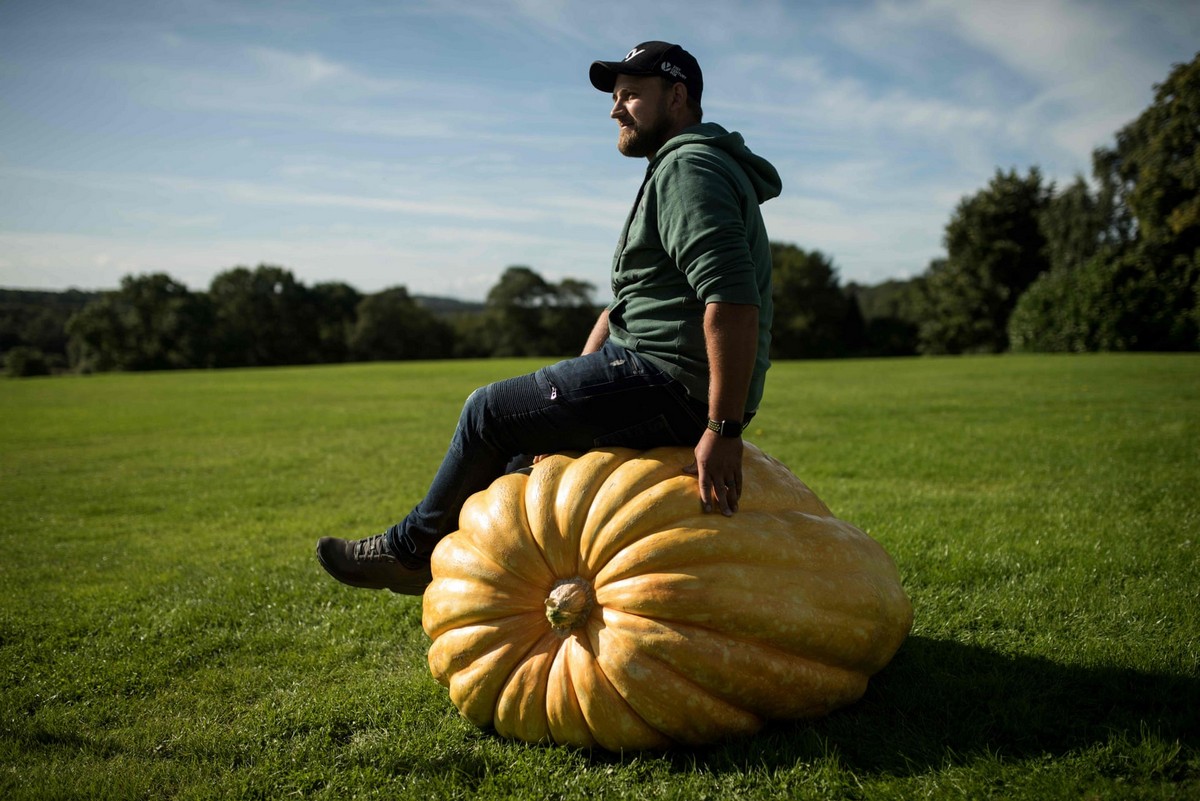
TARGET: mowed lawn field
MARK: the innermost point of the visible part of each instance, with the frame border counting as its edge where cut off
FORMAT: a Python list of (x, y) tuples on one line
[(166, 632)]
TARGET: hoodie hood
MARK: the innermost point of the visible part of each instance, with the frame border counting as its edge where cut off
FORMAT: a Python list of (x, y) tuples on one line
[(762, 174)]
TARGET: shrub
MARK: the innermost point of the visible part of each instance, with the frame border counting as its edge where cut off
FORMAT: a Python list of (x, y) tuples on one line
[(1138, 300), (24, 362)]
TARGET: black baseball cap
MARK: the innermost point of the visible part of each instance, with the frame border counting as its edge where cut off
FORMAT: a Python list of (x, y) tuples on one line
[(651, 58)]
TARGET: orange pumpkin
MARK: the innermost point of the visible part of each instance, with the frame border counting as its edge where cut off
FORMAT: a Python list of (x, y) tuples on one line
[(593, 603)]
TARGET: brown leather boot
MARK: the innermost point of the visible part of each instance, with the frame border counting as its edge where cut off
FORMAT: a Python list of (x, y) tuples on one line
[(370, 563)]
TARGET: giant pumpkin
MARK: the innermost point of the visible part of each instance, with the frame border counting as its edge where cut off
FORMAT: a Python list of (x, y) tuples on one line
[(593, 603)]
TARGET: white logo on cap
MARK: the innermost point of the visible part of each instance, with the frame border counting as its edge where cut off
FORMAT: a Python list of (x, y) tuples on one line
[(634, 53), (675, 72)]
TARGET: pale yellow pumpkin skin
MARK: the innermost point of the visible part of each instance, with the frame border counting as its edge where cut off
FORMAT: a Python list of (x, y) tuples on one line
[(673, 626)]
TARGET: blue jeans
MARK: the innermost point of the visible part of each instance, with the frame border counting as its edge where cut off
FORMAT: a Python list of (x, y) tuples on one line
[(609, 398)]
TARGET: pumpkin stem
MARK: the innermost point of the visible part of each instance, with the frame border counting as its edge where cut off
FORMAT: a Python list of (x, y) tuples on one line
[(569, 604)]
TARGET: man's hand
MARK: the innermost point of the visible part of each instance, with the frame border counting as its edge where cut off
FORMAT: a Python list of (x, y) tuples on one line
[(718, 467)]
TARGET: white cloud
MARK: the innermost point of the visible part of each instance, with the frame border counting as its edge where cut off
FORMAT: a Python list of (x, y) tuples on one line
[(1077, 71), (812, 98), (1048, 40), (867, 243), (308, 68)]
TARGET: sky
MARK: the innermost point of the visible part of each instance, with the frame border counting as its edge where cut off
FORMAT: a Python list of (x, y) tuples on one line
[(433, 143)]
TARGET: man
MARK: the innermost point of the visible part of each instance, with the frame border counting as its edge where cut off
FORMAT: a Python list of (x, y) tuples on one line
[(677, 358)]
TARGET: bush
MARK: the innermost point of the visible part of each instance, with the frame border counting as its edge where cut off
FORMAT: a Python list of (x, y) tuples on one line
[(24, 362), (1138, 300)]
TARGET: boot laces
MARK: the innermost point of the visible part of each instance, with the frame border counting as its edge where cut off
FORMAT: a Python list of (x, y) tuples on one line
[(373, 549)]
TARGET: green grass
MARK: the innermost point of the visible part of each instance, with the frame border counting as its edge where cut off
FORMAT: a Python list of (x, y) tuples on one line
[(165, 631)]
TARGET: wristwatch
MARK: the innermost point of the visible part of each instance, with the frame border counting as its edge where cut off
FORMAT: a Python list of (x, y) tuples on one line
[(726, 428)]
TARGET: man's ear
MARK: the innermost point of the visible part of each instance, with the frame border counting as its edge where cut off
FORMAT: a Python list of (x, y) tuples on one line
[(679, 97)]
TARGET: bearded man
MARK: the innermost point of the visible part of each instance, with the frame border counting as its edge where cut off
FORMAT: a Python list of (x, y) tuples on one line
[(678, 357)]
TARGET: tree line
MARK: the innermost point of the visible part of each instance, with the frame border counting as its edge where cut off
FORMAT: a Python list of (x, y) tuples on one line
[(266, 317), (1113, 264)]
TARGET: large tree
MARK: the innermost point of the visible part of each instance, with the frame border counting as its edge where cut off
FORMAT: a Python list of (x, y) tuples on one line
[(526, 315), (814, 318), (1156, 167), (514, 313), (263, 317), (390, 325), (1140, 288), (1157, 162), (570, 316), (1076, 223), (336, 306), (152, 322), (995, 249)]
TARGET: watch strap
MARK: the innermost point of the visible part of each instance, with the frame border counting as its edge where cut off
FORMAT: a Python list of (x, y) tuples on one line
[(726, 428)]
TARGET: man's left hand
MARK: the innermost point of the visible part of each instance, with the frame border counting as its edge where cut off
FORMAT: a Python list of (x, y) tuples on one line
[(718, 467)]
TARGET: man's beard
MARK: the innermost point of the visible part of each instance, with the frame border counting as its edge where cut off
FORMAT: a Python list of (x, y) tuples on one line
[(639, 141)]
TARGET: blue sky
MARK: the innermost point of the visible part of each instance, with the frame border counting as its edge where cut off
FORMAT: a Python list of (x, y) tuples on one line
[(432, 143)]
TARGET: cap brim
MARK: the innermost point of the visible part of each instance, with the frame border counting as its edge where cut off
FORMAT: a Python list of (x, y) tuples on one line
[(603, 74)]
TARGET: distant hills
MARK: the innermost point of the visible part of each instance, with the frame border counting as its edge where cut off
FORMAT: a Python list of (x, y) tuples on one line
[(443, 306)]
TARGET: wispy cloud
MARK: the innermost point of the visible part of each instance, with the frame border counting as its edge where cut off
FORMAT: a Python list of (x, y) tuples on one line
[(1060, 75), (285, 71)]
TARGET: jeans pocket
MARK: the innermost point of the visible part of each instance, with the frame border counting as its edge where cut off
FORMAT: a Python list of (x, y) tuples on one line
[(611, 369)]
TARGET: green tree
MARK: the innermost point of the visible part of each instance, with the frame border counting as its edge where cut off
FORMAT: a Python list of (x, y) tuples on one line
[(995, 250), (336, 307), (39, 320), (1076, 223), (1157, 161), (1141, 289), (472, 332), (263, 317), (891, 313), (46, 330), (526, 315), (98, 339), (390, 326), (570, 316), (1155, 171), (814, 318), (152, 322), (515, 313), (1112, 303)]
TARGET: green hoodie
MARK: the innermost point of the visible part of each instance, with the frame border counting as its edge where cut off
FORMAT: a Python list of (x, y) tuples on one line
[(695, 236)]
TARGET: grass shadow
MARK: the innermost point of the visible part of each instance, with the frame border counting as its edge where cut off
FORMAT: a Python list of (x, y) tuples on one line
[(941, 703)]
